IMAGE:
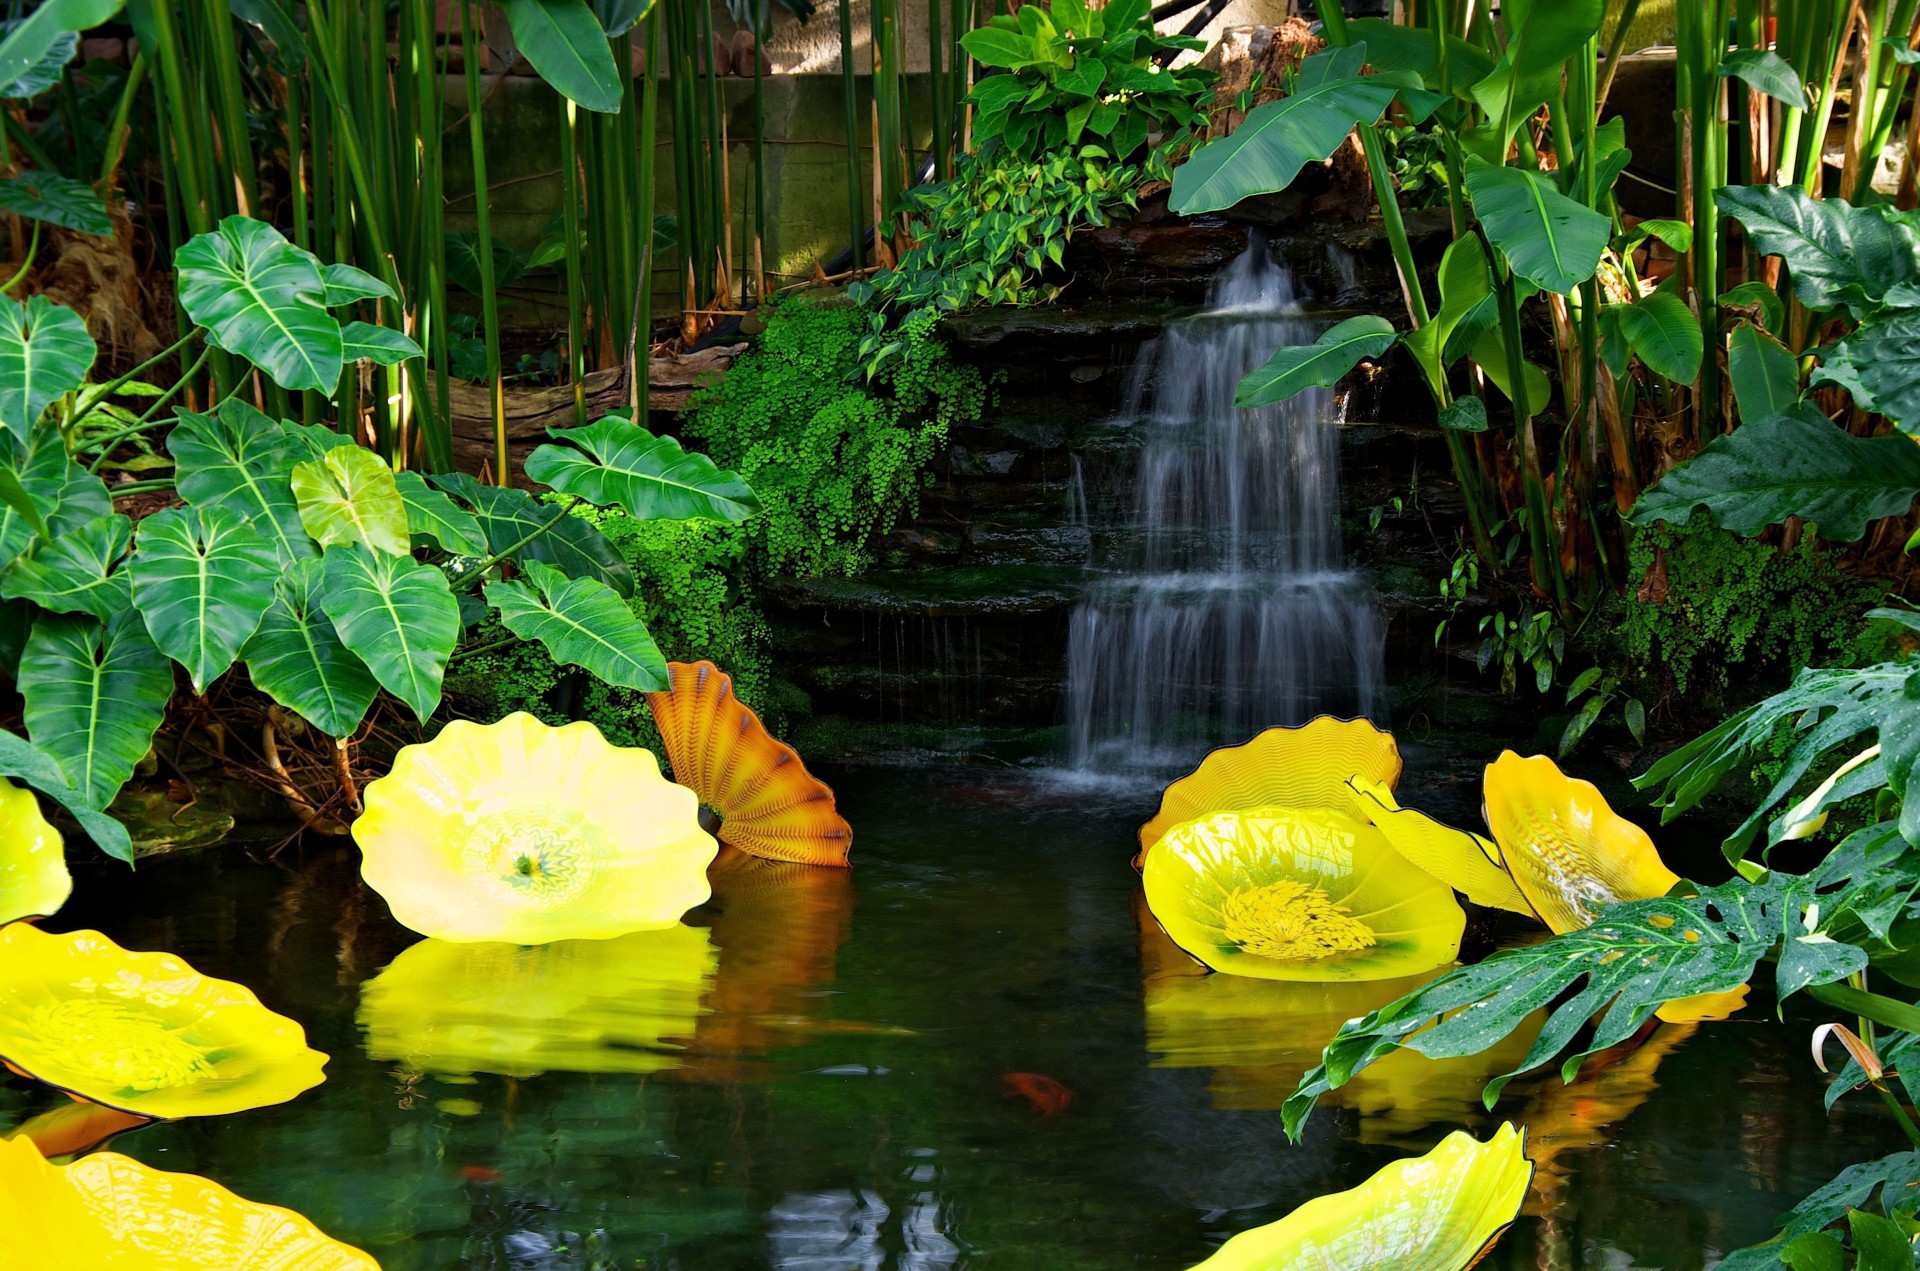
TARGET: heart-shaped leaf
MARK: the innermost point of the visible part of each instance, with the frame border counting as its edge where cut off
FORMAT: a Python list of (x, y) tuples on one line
[(348, 495), (1549, 240), (1295, 368), (74, 572), (433, 516), (45, 353), (397, 616), (564, 41), (299, 660), (507, 516), (57, 200), (363, 340), (651, 477), (95, 695), (21, 760), (203, 578), (239, 460), (263, 298), (582, 623)]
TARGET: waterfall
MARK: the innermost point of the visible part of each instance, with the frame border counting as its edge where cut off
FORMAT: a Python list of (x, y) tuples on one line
[(1224, 602)]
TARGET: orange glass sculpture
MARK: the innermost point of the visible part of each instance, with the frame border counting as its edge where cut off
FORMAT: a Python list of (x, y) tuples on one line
[(1304, 767), (769, 804)]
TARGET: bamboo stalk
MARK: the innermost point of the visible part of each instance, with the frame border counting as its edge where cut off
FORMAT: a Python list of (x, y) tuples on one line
[(856, 226), (502, 474)]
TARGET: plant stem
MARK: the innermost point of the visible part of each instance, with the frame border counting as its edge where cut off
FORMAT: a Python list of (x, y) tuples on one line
[(33, 249), (484, 228), (481, 569)]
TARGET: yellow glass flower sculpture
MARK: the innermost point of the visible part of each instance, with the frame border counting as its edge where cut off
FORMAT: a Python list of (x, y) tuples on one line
[(627, 1004), (1298, 894), (142, 1032), (521, 832), (33, 864), (1305, 767), (1438, 1212), (109, 1211)]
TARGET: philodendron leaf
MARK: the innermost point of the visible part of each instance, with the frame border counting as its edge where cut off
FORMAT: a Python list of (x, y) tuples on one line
[(74, 573), (433, 516), (1796, 463), (263, 298), (1465, 414), (1836, 254), (1549, 240), (45, 353), (1665, 334), (1879, 364), (1765, 377), (1295, 368), (299, 660), (569, 544), (29, 41), (64, 495), (203, 579), (345, 284), (387, 347), (566, 44), (463, 262), (651, 477), (238, 460), (397, 616), (95, 695), (21, 760), (56, 200), (583, 623), (348, 495), (1266, 152)]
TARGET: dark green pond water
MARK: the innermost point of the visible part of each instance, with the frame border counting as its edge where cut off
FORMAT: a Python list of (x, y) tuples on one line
[(838, 1096)]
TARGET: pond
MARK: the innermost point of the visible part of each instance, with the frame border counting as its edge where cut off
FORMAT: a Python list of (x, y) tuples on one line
[(972, 1051)]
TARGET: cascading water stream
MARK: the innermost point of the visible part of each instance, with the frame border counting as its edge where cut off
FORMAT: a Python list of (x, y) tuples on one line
[(1228, 605)]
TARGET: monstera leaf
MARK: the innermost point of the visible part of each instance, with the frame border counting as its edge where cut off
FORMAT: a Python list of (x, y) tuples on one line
[(348, 495), (263, 298), (45, 353), (202, 579), (1278, 139), (95, 695), (56, 200), (433, 516), (583, 623), (1548, 239), (508, 516), (1317, 365), (397, 616), (1879, 363), (51, 25), (299, 660), (566, 44), (1836, 254), (1795, 463), (23, 761), (238, 460), (74, 572), (651, 477)]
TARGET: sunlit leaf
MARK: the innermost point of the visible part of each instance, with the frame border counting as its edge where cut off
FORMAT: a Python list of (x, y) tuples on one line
[(564, 41), (397, 616), (348, 495), (1295, 368), (202, 579), (363, 340), (1665, 335), (1548, 239), (95, 695), (1767, 72), (581, 622), (48, 28)]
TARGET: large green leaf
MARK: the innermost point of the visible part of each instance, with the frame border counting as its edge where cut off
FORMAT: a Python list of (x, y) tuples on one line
[(1490, 355), (1392, 47), (569, 544), (1467, 310), (995, 46), (583, 623), (1318, 365), (463, 262), (30, 41), (95, 695), (1276, 140), (651, 477), (397, 616), (45, 353), (348, 495), (24, 761), (1796, 463), (1541, 36), (74, 572), (263, 298), (383, 345), (1879, 363), (1665, 334), (1548, 239), (1765, 378), (1836, 254), (203, 578), (564, 41), (345, 284), (1767, 72), (240, 461), (298, 659), (433, 516), (64, 495), (46, 72), (57, 200)]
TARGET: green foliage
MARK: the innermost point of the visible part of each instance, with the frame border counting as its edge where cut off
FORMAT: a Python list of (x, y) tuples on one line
[(835, 462)]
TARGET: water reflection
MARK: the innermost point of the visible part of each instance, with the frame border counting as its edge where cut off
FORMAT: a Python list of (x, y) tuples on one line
[(847, 1230)]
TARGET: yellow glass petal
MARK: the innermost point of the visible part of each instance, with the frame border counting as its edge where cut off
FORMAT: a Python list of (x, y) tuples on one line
[(1703, 1006), (521, 832), (1299, 894), (142, 1032), (1462, 860), (107, 1212), (1437, 1212), (1571, 854), (627, 1004), (33, 863), (1305, 767)]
